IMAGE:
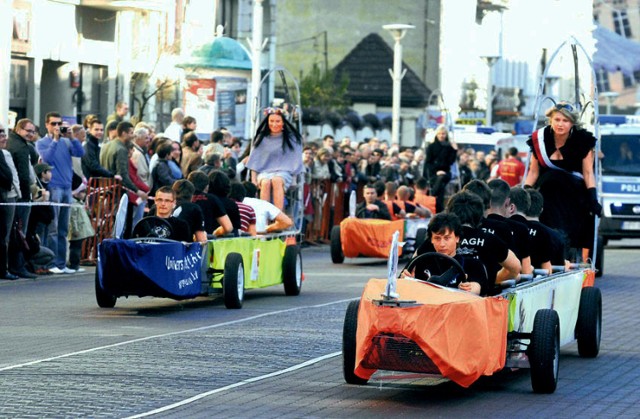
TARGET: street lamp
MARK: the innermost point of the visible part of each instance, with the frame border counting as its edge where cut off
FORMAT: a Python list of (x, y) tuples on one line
[(490, 60), (398, 32), (610, 97)]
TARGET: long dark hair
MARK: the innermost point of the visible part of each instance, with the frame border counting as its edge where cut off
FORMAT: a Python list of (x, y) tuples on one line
[(288, 130)]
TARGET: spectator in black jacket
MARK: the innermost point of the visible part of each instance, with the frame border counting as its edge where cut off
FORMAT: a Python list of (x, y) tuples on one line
[(161, 174), (440, 155), (21, 153), (91, 160)]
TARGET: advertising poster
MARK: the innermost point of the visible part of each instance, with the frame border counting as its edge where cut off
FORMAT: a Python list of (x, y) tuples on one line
[(231, 97), (199, 102)]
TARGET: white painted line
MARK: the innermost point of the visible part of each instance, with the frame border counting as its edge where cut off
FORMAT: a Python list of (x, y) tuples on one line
[(180, 332), (232, 386)]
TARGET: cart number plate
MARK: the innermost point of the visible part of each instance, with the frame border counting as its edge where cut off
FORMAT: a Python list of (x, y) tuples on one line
[(631, 225)]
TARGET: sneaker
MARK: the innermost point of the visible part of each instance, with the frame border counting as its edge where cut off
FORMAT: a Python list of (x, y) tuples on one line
[(56, 270), (80, 270), (68, 270)]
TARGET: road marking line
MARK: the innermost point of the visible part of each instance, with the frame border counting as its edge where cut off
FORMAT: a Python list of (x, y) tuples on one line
[(180, 332), (232, 386)]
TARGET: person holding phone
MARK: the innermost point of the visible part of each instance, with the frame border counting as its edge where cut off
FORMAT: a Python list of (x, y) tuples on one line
[(56, 150)]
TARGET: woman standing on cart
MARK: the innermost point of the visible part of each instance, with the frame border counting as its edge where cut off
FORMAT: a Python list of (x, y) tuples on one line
[(276, 156), (561, 167)]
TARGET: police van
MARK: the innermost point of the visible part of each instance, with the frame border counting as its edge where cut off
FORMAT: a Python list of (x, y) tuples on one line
[(619, 185)]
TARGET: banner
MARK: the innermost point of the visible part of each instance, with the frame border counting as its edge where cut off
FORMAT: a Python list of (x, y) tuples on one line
[(172, 270), (369, 238)]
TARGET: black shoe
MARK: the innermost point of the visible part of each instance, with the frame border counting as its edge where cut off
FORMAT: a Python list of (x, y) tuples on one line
[(10, 276), (25, 274)]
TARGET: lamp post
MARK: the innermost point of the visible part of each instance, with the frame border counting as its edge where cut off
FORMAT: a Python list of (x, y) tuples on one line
[(490, 60), (610, 97), (398, 31), (257, 45)]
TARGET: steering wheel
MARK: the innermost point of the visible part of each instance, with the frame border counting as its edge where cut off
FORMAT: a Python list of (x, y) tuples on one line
[(437, 268), (154, 227)]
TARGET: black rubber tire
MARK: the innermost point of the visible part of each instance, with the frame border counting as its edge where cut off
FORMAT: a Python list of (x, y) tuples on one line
[(544, 351), (421, 236), (349, 344), (336, 246), (104, 299), (233, 281), (589, 324), (292, 270)]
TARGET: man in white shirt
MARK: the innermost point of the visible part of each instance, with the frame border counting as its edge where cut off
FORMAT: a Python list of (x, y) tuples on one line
[(269, 218), (174, 130)]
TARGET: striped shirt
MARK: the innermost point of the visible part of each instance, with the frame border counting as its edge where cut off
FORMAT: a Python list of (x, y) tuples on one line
[(247, 216)]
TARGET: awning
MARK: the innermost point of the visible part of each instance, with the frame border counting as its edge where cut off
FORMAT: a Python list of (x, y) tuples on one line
[(615, 52)]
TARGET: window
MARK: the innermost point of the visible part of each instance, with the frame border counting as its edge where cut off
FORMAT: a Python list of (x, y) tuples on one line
[(621, 23), (602, 79)]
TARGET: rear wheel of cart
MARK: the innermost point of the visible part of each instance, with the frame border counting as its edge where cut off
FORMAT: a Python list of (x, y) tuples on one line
[(336, 246), (233, 281), (589, 324), (349, 344), (421, 236), (544, 351), (292, 270), (103, 298)]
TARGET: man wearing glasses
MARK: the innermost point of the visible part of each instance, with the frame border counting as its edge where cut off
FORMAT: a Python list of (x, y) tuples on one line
[(18, 146), (57, 150)]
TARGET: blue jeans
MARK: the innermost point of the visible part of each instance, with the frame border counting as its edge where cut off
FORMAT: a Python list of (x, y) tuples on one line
[(59, 227)]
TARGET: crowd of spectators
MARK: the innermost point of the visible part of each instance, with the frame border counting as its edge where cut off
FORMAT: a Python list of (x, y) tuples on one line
[(58, 166)]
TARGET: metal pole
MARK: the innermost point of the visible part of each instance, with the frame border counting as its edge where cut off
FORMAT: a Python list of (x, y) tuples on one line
[(397, 85), (256, 49), (398, 32)]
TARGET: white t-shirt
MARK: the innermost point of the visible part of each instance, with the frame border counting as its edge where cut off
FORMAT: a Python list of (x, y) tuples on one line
[(174, 131), (265, 212)]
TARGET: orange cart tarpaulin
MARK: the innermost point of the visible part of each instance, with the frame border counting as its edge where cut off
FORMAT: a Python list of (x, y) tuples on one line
[(368, 237), (464, 335)]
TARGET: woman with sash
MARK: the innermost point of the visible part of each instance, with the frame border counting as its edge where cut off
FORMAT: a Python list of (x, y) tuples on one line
[(562, 169)]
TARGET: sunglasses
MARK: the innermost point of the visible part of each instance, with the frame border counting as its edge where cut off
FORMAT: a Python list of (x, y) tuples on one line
[(55, 123), (566, 106)]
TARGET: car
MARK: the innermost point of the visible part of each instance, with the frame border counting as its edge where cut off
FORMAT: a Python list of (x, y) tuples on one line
[(419, 326), (159, 267)]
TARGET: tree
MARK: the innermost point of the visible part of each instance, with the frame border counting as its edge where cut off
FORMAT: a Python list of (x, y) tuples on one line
[(323, 91)]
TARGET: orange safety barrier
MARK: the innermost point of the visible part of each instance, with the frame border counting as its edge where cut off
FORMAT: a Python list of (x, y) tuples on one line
[(103, 197)]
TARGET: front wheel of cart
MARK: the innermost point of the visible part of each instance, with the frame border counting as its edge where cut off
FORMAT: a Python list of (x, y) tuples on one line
[(589, 324), (349, 344), (292, 270), (233, 281), (103, 298), (544, 351), (337, 256)]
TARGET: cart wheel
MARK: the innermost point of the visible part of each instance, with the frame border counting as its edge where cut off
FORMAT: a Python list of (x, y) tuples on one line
[(233, 281), (421, 236), (544, 351), (336, 246), (589, 324), (292, 270), (349, 344), (104, 299)]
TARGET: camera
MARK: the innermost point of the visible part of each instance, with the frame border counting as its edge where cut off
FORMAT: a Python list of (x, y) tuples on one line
[(63, 130)]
